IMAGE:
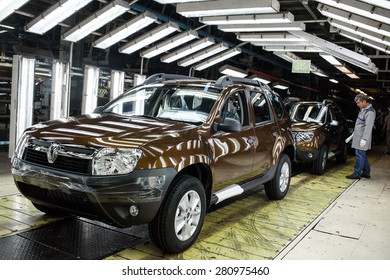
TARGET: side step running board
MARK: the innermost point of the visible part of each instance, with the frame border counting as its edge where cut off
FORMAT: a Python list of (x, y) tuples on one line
[(234, 190)]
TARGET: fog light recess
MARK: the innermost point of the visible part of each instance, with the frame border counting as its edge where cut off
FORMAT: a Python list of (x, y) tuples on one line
[(133, 210)]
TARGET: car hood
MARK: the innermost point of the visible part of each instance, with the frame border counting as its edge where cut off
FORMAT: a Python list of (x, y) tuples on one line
[(304, 126), (109, 130)]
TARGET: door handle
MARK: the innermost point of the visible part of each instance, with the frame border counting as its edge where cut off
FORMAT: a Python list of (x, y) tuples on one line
[(251, 140)]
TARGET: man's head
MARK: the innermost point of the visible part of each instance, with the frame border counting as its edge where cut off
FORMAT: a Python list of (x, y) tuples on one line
[(362, 100)]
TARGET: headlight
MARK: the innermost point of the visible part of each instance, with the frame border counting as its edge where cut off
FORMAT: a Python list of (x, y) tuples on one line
[(304, 136), (21, 145), (111, 161)]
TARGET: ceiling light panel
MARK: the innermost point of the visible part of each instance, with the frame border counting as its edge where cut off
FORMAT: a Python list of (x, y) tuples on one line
[(356, 20), (95, 21), (227, 7), (199, 56), (360, 8), (365, 41), (149, 37), (262, 27), (7, 7), (233, 71), (171, 43), (345, 54), (330, 58), (125, 30), (177, 1), (54, 15), (286, 17), (291, 49), (260, 79), (187, 50), (360, 31), (380, 3), (218, 58), (264, 37)]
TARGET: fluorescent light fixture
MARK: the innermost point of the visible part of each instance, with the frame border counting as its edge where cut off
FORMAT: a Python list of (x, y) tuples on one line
[(353, 76), (365, 41), (361, 31), (356, 20), (233, 71), (360, 8), (199, 56), (262, 27), (7, 7), (281, 43), (330, 58), (380, 3), (227, 7), (171, 43), (149, 37), (279, 85), (125, 30), (177, 1), (347, 55), (95, 21), (333, 81), (218, 58), (319, 73), (54, 15), (187, 50), (285, 17), (288, 56), (260, 79), (291, 48), (277, 37), (343, 68)]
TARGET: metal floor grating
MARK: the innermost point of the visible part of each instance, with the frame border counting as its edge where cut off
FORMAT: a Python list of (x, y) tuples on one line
[(69, 239)]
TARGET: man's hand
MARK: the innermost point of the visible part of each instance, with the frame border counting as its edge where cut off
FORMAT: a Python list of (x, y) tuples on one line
[(363, 143)]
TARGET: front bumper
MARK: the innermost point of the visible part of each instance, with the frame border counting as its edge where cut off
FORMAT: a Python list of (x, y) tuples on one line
[(306, 155), (104, 198)]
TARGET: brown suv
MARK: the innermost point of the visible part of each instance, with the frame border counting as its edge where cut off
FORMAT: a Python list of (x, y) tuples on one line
[(161, 153), (320, 130)]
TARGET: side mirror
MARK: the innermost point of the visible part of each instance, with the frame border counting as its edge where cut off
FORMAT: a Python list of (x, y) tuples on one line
[(334, 123), (98, 110), (230, 125)]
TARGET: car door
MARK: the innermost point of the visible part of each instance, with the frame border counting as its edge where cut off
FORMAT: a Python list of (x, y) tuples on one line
[(334, 128), (266, 133), (234, 150)]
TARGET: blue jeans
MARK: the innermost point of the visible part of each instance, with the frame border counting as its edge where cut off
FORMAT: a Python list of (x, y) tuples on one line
[(361, 164)]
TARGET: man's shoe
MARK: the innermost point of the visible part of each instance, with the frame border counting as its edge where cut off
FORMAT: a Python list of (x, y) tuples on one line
[(353, 176), (366, 176)]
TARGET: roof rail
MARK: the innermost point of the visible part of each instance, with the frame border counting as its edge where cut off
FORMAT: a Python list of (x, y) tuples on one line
[(164, 77), (327, 101), (226, 80)]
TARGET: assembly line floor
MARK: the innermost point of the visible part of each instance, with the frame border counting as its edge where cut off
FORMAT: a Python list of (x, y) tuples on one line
[(324, 217)]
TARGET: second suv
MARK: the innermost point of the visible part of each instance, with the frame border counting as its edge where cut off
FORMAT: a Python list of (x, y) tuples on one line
[(161, 153), (320, 130)]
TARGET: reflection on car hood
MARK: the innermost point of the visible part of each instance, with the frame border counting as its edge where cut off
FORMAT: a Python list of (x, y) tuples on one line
[(304, 126), (108, 130)]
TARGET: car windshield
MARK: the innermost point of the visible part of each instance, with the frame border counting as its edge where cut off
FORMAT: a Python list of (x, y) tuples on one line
[(308, 112), (190, 104)]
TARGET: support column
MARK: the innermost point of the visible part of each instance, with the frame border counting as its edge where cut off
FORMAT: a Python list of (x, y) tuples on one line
[(22, 97), (90, 89)]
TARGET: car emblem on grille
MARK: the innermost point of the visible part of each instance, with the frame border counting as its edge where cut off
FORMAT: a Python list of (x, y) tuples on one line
[(52, 152)]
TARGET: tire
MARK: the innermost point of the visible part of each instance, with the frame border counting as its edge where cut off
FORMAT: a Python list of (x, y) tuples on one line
[(48, 210), (180, 218), (277, 188), (342, 156), (319, 164)]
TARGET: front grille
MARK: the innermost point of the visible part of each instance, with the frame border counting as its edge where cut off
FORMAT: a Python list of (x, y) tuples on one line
[(72, 164), (76, 159)]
